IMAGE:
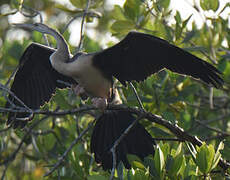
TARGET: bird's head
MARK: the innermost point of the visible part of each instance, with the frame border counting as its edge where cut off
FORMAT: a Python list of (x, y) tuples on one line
[(42, 28)]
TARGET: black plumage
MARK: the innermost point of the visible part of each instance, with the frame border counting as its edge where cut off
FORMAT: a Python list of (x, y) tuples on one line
[(108, 129), (140, 55), (35, 81)]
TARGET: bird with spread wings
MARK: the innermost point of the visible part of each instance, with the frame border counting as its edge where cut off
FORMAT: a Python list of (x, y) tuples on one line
[(134, 58)]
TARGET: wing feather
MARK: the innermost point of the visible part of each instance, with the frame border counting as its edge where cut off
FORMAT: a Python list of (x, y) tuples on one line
[(35, 81), (140, 55)]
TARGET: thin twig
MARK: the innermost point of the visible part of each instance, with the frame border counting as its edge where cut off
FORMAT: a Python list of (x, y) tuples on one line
[(36, 13), (219, 137), (117, 142), (212, 128), (14, 96), (82, 26), (211, 98), (168, 139), (4, 171), (113, 151), (11, 76), (137, 96), (89, 13), (45, 112), (69, 149)]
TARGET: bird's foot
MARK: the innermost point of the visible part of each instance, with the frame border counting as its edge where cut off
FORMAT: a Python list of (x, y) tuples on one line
[(79, 91), (100, 103)]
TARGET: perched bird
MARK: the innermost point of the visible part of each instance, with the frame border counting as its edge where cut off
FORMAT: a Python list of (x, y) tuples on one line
[(135, 57)]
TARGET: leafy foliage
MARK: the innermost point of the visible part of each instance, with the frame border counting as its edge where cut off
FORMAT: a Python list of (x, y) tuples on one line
[(181, 100)]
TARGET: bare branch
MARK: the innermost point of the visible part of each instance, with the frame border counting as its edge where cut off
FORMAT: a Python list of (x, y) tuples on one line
[(212, 128), (176, 130), (4, 171), (35, 13), (14, 96), (137, 96), (89, 13), (117, 142), (168, 139), (211, 98), (82, 26)]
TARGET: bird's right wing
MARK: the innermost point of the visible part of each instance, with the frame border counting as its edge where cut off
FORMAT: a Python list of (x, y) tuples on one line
[(35, 81)]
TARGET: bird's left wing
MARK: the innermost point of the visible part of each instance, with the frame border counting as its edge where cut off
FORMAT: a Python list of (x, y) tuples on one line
[(139, 55), (35, 81)]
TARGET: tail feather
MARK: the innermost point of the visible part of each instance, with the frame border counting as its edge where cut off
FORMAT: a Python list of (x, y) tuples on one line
[(109, 128)]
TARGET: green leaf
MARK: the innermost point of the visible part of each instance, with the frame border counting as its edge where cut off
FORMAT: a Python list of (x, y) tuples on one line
[(91, 45), (118, 13), (159, 160), (179, 150), (138, 165), (174, 162), (178, 30), (209, 4), (178, 17), (188, 36), (135, 161), (65, 9), (165, 149), (139, 174), (17, 4), (149, 163), (217, 155), (222, 65), (204, 157), (184, 24), (169, 116), (60, 99), (122, 26), (132, 8), (163, 3), (49, 141)]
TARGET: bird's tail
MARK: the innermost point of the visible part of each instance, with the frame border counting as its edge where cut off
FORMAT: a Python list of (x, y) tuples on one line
[(109, 128)]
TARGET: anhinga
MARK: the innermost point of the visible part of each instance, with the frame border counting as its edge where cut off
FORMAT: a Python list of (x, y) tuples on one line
[(136, 57)]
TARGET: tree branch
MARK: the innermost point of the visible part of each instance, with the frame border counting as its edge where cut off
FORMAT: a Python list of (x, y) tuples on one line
[(82, 25), (176, 130)]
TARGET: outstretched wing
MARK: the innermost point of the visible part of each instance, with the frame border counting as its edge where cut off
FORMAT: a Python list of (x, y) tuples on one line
[(35, 81), (139, 55)]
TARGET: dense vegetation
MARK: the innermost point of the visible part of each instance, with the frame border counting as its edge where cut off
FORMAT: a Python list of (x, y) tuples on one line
[(200, 111)]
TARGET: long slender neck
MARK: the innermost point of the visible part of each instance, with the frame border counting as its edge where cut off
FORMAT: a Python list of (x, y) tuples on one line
[(60, 57)]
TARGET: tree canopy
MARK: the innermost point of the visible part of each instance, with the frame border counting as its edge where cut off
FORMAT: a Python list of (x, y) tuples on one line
[(188, 119)]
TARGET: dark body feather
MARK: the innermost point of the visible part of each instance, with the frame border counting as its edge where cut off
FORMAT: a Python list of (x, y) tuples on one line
[(140, 55), (35, 81)]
